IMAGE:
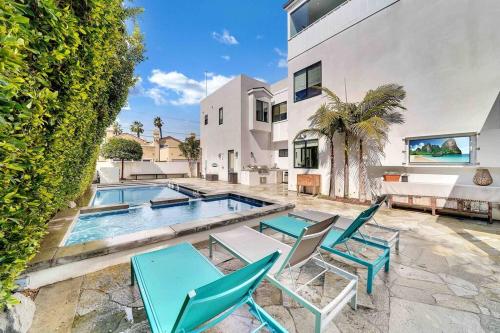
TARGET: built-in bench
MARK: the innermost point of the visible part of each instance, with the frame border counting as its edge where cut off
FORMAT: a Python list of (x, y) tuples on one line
[(157, 175)]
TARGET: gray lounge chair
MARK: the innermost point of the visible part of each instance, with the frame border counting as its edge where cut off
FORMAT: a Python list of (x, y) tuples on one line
[(250, 245), (344, 222)]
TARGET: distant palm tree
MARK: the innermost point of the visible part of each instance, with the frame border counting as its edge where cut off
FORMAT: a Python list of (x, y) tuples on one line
[(372, 118), (137, 127), (117, 128), (158, 123)]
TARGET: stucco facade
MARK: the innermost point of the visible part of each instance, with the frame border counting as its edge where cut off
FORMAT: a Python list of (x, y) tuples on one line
[(444, 53)]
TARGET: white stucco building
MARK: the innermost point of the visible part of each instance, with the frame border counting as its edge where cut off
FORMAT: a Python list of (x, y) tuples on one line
[(446, 54)]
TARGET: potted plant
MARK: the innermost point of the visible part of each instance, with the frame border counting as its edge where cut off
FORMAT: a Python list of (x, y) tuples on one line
[(392, 176)]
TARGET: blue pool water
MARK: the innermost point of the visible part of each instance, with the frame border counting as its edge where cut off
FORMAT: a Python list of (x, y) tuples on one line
[(132, 195), (109, 224)]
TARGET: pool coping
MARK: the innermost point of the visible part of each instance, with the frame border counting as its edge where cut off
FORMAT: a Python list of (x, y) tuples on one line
[(52, 253)]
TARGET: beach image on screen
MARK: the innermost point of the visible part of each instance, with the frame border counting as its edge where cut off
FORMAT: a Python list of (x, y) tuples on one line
[(440, 150)]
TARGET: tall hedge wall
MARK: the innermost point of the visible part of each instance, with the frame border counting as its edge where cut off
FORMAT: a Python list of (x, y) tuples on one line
[(65, 70)]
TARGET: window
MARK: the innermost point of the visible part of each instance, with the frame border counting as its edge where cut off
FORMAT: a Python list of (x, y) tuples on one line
[(279, 112), (206, 119), (310, 12), (306, 154), (283, 153), (221, 116), (307, 82), (262, 111)]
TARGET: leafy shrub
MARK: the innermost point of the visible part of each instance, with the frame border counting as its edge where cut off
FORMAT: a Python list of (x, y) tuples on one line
[(65, 70)]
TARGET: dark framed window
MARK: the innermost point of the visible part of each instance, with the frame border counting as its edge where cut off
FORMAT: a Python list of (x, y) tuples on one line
[(221, 116), (310, 12), (307, 82), (283, 153), (305, 154), (262, 109), (206, 119), (279, 112)]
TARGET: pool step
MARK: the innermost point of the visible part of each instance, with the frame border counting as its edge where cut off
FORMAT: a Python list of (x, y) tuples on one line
[(105, 208), (167, 201)]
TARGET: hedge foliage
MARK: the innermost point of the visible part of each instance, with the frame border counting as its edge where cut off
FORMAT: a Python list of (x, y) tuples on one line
[(65, 70)]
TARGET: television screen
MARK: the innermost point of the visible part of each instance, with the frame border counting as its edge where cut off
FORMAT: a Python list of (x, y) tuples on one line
[(444, 150)]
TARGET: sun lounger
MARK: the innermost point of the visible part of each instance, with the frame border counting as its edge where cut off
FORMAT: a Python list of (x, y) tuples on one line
[(292, 226), (183, 291), (344, 222), (249, 245)]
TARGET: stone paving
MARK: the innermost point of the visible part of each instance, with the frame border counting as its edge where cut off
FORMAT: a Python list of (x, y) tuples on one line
[(445, 279)]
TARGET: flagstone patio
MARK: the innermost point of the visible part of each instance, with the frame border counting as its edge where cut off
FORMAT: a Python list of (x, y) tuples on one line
[(445, 278)]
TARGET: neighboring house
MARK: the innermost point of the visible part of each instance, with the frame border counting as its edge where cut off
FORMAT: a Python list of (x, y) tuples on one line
[(240, 134), (165, 149), (445, 54)]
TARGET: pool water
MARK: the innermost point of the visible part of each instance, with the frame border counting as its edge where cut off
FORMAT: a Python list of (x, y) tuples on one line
[(132, 195), (91, 227)]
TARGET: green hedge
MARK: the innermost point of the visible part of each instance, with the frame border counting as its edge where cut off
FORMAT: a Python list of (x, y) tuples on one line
[(65, 70)]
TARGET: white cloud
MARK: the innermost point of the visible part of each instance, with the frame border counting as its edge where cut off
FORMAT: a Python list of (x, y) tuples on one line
[(260, 79), (280, 52), (282, 61), (187, 91), (157, 95), (226, 57), (225, 37)]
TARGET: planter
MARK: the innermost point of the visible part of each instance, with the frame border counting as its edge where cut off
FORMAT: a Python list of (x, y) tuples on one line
[(482, 177), (392, 177)]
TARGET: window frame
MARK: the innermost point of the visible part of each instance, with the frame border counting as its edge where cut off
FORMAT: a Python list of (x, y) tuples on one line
[(283, 150), (221, 115), (206, 119), (310, 91), (279, 114), (265, 113), (315, 147)]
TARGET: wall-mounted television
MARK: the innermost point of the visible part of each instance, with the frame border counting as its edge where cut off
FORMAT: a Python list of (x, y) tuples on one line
[(440, 150)]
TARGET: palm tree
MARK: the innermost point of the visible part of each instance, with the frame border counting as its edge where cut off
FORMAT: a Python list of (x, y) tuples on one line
[(117, 128), (158, 123), (325, 123), (137, 127), (371, 119)]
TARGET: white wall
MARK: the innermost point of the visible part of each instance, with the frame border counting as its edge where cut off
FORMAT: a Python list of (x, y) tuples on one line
[(444, 53), (139, 167)]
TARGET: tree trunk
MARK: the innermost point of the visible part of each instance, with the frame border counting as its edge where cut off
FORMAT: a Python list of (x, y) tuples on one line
[(161, 135), (346, 165), (362, 193), (332, 170), (121, 177)]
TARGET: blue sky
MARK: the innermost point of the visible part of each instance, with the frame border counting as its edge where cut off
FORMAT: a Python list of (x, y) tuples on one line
[(185, 39)]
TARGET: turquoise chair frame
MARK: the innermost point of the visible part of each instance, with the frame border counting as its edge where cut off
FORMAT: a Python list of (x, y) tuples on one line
[(183, 291), (291, 226)]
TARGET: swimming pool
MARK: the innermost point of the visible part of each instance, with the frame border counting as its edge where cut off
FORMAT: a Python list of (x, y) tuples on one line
[(134, 195), (104, 225)]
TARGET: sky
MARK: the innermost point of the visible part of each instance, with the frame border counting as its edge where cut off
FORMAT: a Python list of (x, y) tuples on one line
[(188, 40)]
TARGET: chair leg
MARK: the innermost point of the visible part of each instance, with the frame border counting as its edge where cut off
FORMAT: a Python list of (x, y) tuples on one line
[(210, 245), (369, 280), (387, 263), (132, 275)]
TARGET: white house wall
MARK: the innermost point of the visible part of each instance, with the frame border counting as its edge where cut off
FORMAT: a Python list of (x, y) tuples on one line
[(444, 53), (219, 139)]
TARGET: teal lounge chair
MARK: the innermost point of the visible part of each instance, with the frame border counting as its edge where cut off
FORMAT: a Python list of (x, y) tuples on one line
[(292, 227), (183, 291)]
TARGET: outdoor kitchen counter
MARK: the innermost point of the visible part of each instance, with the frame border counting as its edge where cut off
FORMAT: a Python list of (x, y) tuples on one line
[(254, 177)]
